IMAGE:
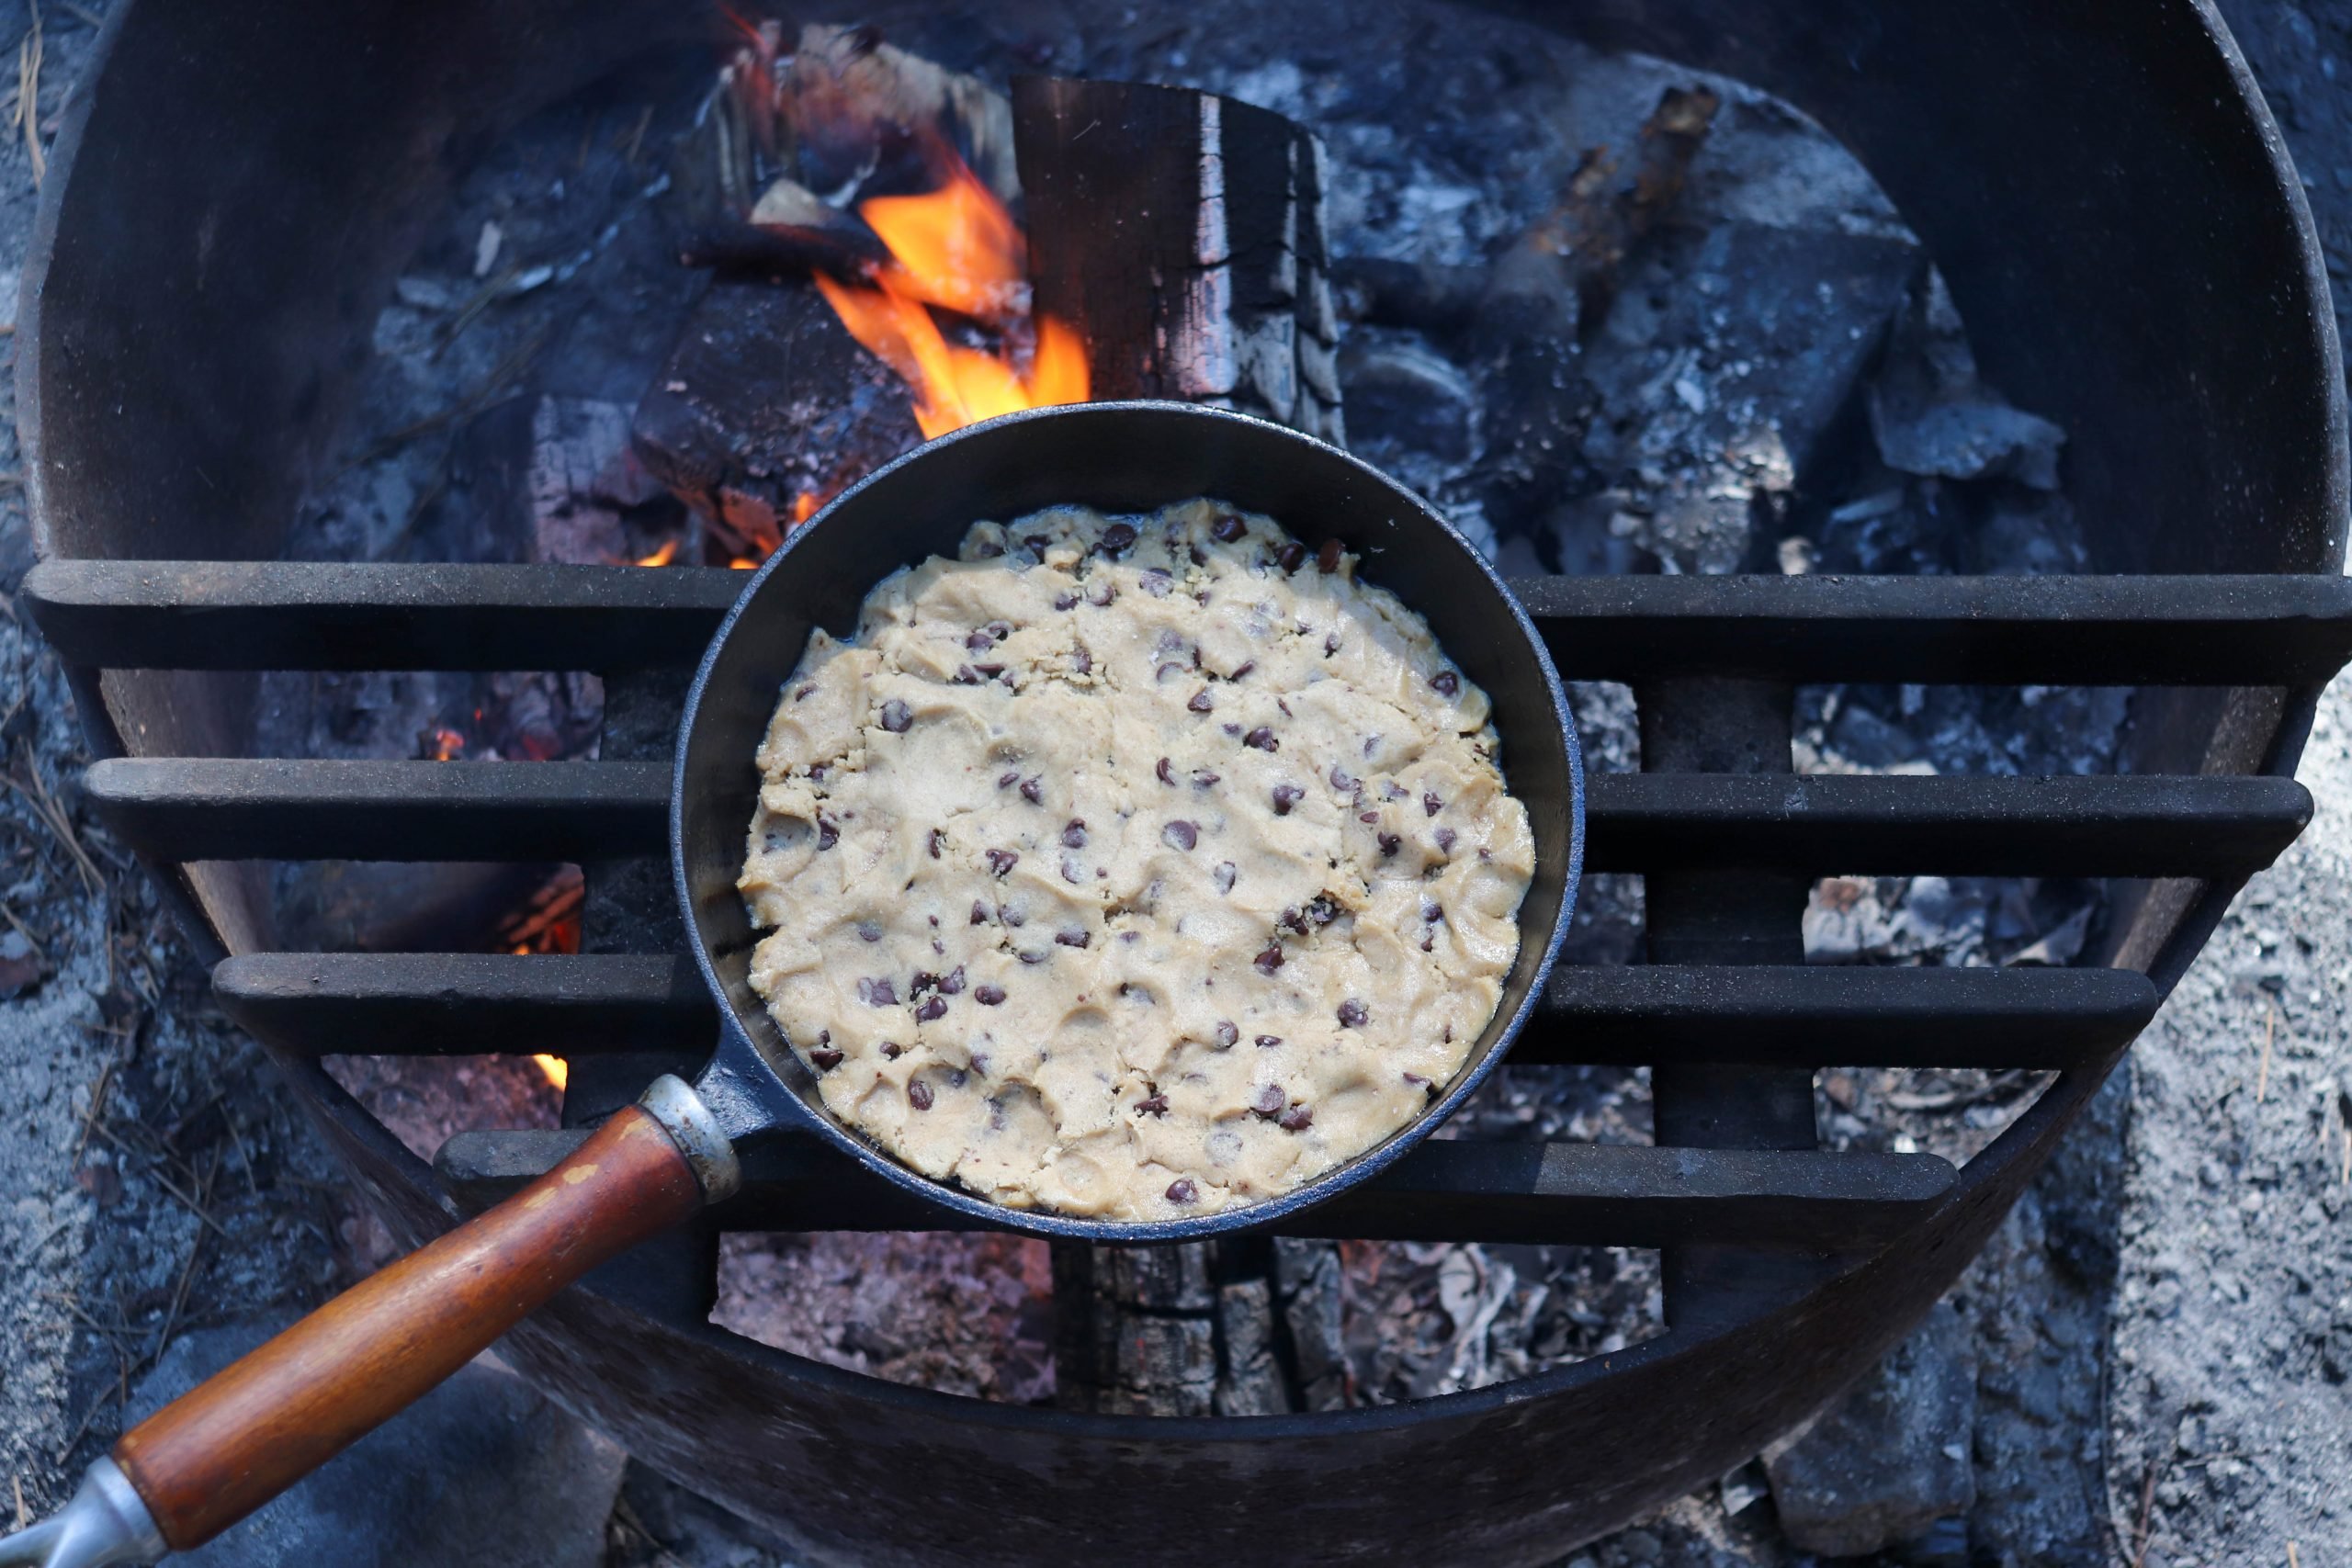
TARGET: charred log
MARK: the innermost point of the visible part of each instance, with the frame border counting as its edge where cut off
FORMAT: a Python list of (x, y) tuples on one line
[(1182, 233)]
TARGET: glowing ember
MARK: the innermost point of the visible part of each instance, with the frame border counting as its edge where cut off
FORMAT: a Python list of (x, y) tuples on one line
[(558, 1071), (442, 744), (663, 556), (956, 248)]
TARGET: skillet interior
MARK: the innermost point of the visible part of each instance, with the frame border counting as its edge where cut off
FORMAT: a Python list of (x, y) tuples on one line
[(1118, 457)]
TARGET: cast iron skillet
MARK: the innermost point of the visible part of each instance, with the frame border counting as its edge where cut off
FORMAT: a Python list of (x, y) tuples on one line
[(229, 1446), (1117, 457)]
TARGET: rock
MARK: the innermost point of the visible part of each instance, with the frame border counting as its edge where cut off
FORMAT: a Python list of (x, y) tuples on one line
[(1890, 1456), (482, 1472)]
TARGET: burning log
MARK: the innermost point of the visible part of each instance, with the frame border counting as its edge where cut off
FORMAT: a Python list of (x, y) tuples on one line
[(1182, 234)]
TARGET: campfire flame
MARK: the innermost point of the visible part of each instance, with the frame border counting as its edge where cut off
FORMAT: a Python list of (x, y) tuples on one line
[(662, 556), (957, 249), (557, 1070)]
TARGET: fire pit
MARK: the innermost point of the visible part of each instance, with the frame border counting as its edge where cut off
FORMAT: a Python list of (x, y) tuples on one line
[(190, 362)]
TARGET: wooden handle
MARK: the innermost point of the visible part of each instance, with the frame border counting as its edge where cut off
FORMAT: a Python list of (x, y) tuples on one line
[(228, 1446)]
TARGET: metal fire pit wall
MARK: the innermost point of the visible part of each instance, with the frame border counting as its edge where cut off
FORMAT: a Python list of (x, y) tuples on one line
[(234, 191)]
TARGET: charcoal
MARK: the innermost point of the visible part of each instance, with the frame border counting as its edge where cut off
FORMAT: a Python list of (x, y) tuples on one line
[(766, 398), (1932, 415), (1714, 416)]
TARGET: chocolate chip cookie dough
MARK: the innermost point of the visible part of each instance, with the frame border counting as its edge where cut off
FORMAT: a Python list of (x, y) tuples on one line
[(1132, 867)]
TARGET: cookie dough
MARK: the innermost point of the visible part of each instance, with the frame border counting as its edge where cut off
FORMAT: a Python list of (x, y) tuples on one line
[(1132, 867)]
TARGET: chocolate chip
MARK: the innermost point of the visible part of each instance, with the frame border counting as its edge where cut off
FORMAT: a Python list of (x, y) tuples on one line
[(868, 931), (1269, 960), (828, 834), (1284, 706), (1226, 528), (1263, 737), (1156, 582), (1389, 844), (1011, 916), (1270, 1101), (1072, 873), (1227, 1035), (1286, 796), (988, 996), (952, 982), (1082, 660), (1431, 912), (1000, 630), (1322, 911), (897, 716), (1118, 537), (1331, 644), (1180, 835), (989, 671), (1268, 1041), (967, 676), (1202, 702), (1153, 1105), (1036, 955), (1368, 816), (1447, 682), (1232, 730), (1246, 666), (805, 693), (1181, 1191), (1165, 671), (892, 1050), (1416, 1077), (1351, 1014), (1101, 593), (1431, 804), (979, 913), (1203, 779), (1342, 779), (1036, 543), (1223, 875), (924, 980), (1295, 920), (1327, 560), (1445, 837), (918, 1095), (825, 1060), (938, 841), (1002, 861), (1167, 771), (1429, 944), (1033, 789), (1200, 557), (878, 993), (1297, 1119), (1291, 556), (1391, 790), (978, 642), (1065, 601), (1074, 834), (1006, 781), (987, 549), (1073, 938)]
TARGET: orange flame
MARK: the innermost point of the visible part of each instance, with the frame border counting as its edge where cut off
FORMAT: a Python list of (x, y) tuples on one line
[(956, 248), (662, 556), (557, 1070)]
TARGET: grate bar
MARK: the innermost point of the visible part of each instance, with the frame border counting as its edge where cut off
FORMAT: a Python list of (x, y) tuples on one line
[(232, 809), (1583, 1194), (2200, 630), (311, 1004), (339, 616)]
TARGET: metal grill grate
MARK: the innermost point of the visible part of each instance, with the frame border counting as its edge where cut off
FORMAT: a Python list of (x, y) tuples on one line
[(1731, 1037)]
